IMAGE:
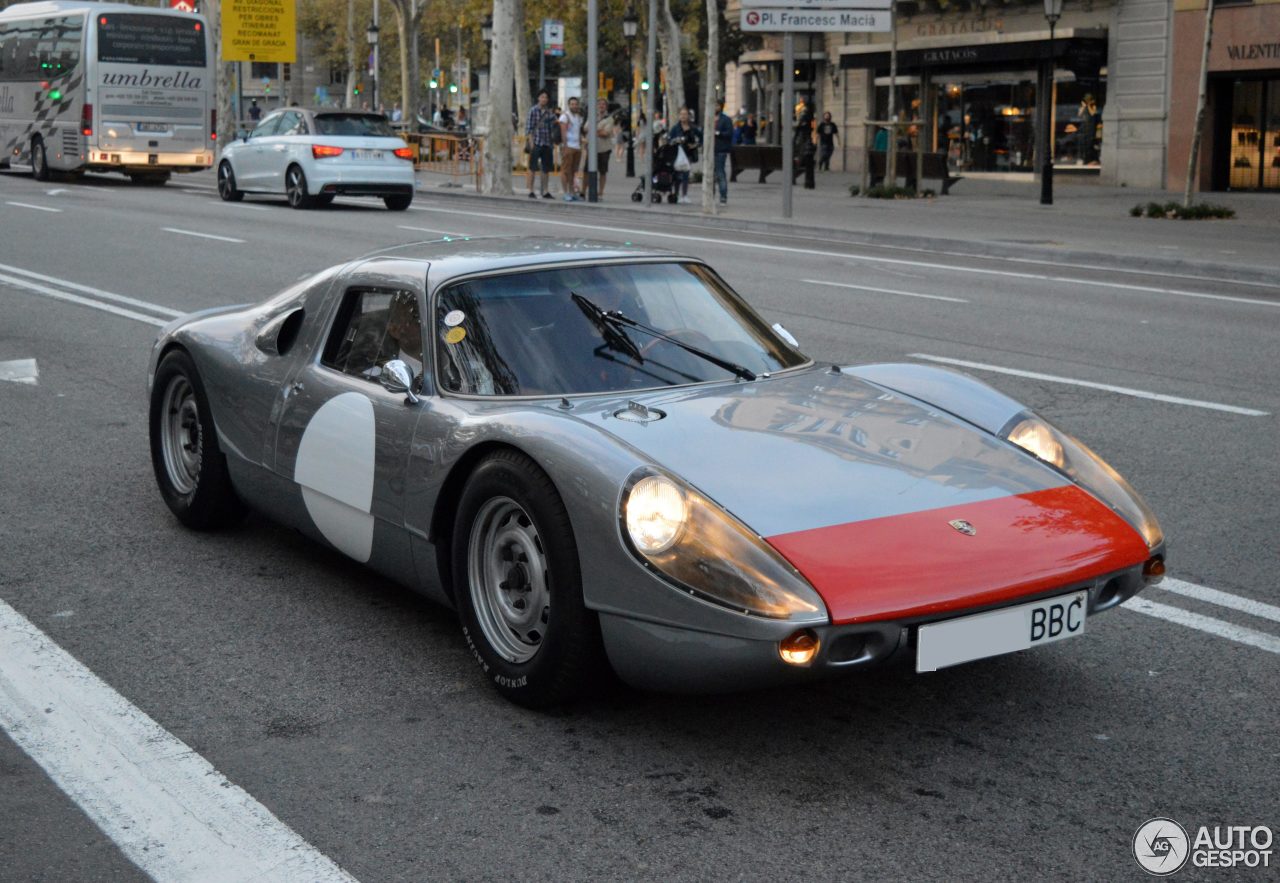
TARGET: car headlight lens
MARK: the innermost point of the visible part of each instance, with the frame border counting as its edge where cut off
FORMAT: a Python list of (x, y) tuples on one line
[(702, 549), (656, 513), (1072, 458)]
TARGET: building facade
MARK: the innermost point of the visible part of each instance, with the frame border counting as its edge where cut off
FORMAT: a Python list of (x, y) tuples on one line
[(974, 76)]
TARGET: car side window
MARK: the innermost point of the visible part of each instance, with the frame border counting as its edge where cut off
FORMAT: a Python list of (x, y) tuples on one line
[(374, 326), (292, 124), (267, 126)]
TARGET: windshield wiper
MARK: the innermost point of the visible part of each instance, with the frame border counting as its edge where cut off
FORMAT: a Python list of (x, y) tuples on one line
[(731, 367), (614, 336)]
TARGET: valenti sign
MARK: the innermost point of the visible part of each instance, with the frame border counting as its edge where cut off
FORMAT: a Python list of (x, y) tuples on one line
[(779, 20)]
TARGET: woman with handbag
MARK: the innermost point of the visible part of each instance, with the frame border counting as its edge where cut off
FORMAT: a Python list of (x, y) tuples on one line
[(687, 138)]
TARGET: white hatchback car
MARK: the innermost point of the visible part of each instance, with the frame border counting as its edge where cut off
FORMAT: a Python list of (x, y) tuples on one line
[(312, 156)]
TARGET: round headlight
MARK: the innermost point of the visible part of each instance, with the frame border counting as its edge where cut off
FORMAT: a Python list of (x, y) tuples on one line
[(1035, 437), (656, 514)]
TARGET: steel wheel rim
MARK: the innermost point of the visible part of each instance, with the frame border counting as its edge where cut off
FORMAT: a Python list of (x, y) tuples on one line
[(293, 184), (181, 436), (507, 577), (37, 157), (224, 181)]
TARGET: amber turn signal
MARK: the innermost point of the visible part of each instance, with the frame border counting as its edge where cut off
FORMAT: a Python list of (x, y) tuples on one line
[(800, 647), (1153, 570)]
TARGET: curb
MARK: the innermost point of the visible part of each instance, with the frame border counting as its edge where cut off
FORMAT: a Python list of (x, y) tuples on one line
[(1101, 260)]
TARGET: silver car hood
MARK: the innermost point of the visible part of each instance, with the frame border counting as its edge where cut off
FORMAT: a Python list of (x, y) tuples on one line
[(810, 449)]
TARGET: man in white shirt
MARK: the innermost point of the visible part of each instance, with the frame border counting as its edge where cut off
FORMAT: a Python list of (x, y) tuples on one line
[(571, 149)]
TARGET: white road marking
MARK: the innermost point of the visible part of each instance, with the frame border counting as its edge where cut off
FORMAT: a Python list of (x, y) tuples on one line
[(1208, 624), (55, 191), (1105, 387), (954, 300), (83, 301), (432, 230), (96, 292), (1259, 609), (39, 208), (202, 235), (166, 807), (20, 371), (761, 246)]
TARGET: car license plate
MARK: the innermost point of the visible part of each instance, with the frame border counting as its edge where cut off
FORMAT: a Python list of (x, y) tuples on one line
[(150, 127), (943, 644), (367, 154)]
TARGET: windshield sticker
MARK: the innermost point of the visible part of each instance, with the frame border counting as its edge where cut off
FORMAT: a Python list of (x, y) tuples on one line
[(454, 318), (455, 335)]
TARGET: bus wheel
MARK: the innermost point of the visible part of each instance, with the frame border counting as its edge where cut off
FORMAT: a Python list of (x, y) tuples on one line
[(39, 162), (295, 188)]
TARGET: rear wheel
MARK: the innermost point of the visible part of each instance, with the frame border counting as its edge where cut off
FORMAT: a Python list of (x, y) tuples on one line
[(295, 188), (190, 467), (399, 202), (39, 160), (227, 184), (519, 588)]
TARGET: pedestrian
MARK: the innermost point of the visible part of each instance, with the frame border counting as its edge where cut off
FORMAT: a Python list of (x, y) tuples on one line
[(255, 112), (805, 149), (604, 142), (571, 149), (723, 147), (750, 129), (1087, 131), (642, 137), (396, 114), (828, 133), (461, 122), (685, 136), (538, 135)]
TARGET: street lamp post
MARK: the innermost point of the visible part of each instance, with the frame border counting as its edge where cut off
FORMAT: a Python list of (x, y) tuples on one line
[(1052, 12), (371, 34), (630, 22), (486, 32)]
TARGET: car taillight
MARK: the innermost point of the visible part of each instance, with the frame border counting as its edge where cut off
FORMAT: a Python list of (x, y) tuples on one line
[(404, 152), (320, 150), (86, 120), (213, 125)]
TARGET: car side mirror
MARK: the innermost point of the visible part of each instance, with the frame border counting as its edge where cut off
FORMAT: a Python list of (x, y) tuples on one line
[(396, 376)]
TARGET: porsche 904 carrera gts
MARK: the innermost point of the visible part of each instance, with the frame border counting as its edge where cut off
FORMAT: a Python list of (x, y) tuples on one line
[(605, 460)]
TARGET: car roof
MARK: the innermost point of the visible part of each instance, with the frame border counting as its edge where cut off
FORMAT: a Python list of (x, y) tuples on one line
[(451, 258)]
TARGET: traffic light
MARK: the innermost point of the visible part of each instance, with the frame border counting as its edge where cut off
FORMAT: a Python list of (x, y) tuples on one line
[(358, 89), (434, 83), (453, 88), (286, 72), (644, 85)]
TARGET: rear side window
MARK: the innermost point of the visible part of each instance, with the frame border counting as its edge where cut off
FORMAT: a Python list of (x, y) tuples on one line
[(39, 50), (162, 40), (353, 124), (372, 328)]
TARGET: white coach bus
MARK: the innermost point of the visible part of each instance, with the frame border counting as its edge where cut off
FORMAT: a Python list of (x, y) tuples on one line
[(106, 87)]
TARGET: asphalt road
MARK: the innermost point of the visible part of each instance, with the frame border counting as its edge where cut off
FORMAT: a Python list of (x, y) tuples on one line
[(350, 709)]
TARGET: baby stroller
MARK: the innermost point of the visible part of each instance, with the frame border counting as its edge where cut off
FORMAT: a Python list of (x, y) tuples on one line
[(664, 168)]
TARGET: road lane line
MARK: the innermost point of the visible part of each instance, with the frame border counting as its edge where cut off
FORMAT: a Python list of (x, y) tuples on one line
[(166, 807), (1106, 387), (96, 292), (954, 300), (1207, 624), (202, 235), (39, 208), (83, 301), (1222, 599), (432, 230), (787, 249), (20, 371)]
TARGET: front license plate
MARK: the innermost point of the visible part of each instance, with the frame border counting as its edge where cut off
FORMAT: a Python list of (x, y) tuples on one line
[(150, 127), (367, 154), (943, 644)]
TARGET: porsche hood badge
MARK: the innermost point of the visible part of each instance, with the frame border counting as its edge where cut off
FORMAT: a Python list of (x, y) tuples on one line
[(963, 526)]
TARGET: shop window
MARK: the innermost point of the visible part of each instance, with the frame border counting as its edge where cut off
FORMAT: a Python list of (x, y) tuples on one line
[(263, 70), (1254, 153)]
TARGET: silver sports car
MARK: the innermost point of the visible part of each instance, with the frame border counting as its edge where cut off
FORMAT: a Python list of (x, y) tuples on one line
[(604, 460)]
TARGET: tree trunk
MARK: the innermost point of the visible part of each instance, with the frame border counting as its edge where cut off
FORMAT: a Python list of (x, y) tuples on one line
[(520, 44), (709, 109), (672, 63), (408, 21), (349, 100), (497, 144), (225, 72), (1194, 157)]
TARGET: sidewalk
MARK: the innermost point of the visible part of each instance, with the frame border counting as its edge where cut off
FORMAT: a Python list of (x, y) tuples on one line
[(1087, 222)]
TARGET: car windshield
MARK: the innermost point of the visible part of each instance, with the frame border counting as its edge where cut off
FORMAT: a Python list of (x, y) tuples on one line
[(369, 124), (541, 332)]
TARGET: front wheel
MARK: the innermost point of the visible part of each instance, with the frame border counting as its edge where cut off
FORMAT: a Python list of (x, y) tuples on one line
[(398, 202), (518, 585), (295, 188), (227, 184), (39, 160), (190, 467)]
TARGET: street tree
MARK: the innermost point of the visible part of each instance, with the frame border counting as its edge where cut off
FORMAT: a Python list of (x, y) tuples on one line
[(497, 145), (710, 79)]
